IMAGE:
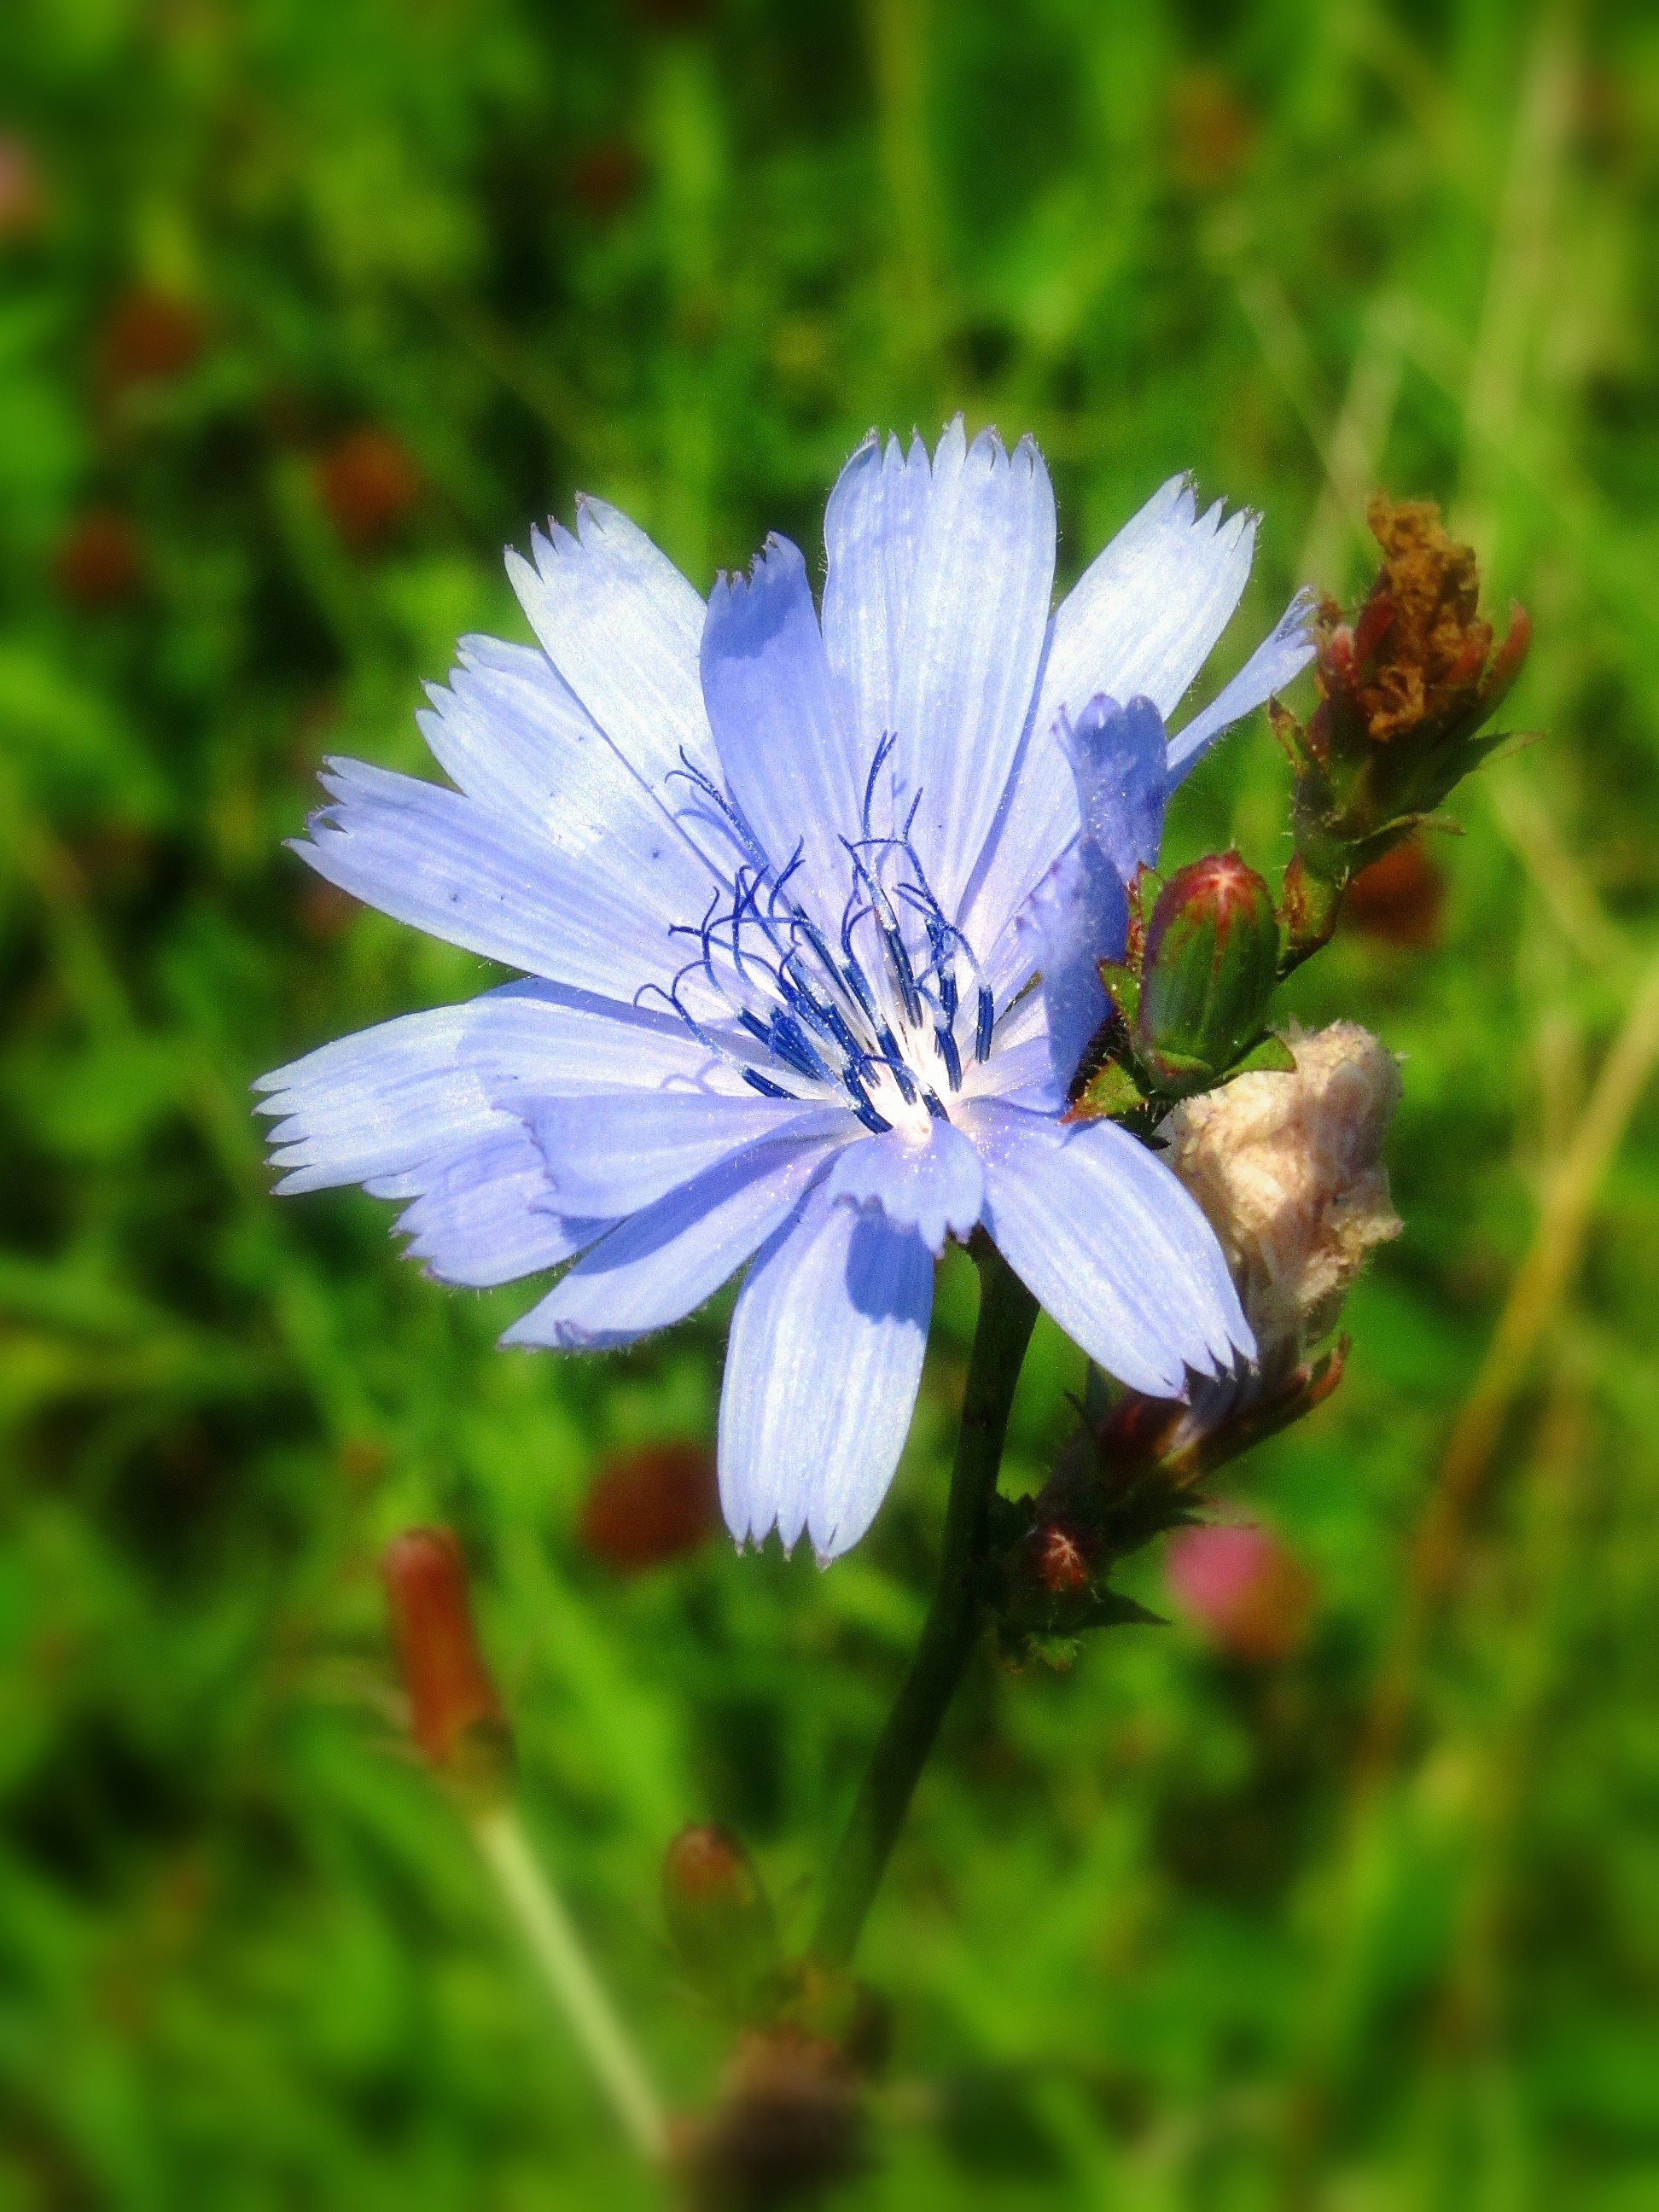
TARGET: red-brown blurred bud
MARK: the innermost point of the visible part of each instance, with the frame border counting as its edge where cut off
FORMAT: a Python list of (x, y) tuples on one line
[(150, 337), (650, 1506), (455, 1715), (720, 1918), (99, 561), (788, 2125), (1399, 900), (1211, 128), (367, 484), (605, 177), (22, 201), (1245, 1591)]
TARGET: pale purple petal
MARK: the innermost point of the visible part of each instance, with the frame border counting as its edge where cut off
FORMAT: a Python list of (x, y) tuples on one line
[(1077, 916), (1277, 661), (513, 735), (972, 642), (614, 1154), (435, 860), (821, 1375), (790, 766), (1120, 767), (623, 628), (381, 1102), (661, 1265), (872, 532), (482, 1214), (1102, 1234), (1142, 620), (932, 1183)]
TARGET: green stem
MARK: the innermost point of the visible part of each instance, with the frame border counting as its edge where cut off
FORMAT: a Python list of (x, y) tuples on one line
[(556, 1948), (1007, 1311)]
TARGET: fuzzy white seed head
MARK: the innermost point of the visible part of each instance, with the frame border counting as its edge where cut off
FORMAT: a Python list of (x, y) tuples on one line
[(1289, 1171)]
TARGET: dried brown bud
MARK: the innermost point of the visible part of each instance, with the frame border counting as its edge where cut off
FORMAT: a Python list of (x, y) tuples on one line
[(1288, 1168), (455, 1714), (1404, 690), (651, 1505)]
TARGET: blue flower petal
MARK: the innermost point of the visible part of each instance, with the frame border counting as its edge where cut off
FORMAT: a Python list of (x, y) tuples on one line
[(615, 1154), (1119, 766), (933, 1184), (1077, 916), (972, 646), (1109, 1243), (623, 627), (436, 859), (872, 533), (510, 733), (661, 1264), (790, 765), (482, 1214), (1141, 620), (1280, 657), (383, 1102), (821, 1375)]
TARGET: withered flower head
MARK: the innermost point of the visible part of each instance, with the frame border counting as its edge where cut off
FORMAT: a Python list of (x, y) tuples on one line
[(1288, 1168), (1404, 690), (788, 2125)]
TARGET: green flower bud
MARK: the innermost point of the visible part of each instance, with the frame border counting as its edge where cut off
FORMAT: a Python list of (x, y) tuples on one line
[(1208, 972), (720, 1918)]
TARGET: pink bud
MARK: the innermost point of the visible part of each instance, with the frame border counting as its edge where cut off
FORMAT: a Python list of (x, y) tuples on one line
[(1243, 1587)]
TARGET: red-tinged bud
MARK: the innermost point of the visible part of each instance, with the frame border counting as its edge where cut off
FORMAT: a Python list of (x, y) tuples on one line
[(369, 485), (1243, 1589), (1208, 972), (651, 1505), (720, 1917), (455, 1714), (1061, 1564)]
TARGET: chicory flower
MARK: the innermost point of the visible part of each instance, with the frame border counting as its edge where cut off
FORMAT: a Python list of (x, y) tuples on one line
[(809, 904)]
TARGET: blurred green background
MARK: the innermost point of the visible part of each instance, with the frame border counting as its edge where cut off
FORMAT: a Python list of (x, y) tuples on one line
[(306, 310)]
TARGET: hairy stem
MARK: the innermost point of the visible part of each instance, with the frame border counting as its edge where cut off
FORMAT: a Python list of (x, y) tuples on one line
[(1007, 1311)]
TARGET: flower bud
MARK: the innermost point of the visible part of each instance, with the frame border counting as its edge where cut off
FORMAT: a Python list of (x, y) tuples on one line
[(720, 1917), (1208, 970), (1289, 1171), (455, 1714)]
